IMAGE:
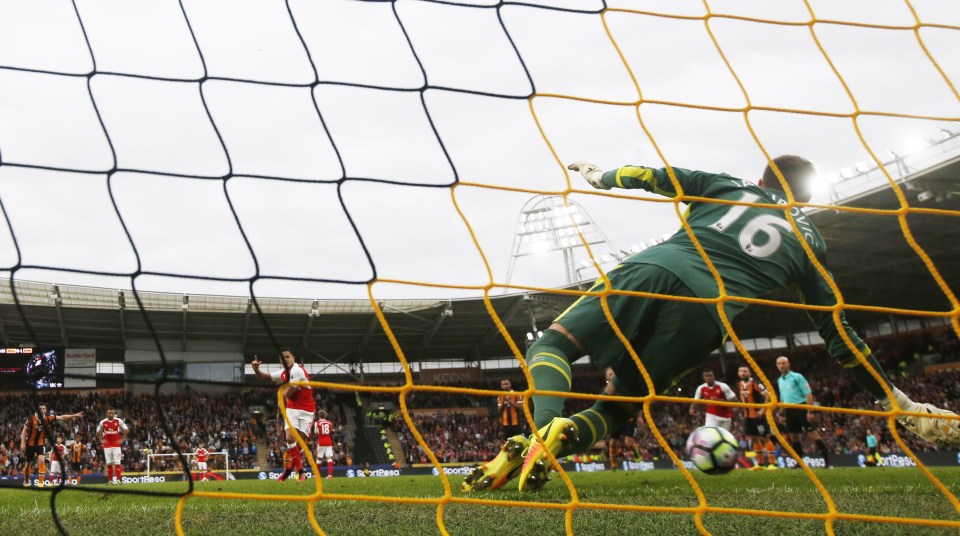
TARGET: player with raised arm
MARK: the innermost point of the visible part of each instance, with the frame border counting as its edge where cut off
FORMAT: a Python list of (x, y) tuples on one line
[(112, 432), (300, 407), (323, 431), (201, 453), (754, 424), (711, 389), (32, 440), (755, 251)]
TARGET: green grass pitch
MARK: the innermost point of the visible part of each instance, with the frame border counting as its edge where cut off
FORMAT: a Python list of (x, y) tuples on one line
[(102, 511)]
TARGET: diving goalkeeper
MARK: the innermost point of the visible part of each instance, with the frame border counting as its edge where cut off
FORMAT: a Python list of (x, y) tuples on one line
[(755, 251)]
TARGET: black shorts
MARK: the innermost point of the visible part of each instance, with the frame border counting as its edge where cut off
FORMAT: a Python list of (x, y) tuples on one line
[(797, 421), (756, 426), (33, 451), (75, 467)]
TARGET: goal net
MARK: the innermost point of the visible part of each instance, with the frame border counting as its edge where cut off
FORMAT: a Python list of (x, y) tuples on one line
[(357, 149)]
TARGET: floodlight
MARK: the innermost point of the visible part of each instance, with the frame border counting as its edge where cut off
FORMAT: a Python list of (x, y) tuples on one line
[(862, 167), (529, 336), (915, 144), (847, 172), (832, 178)]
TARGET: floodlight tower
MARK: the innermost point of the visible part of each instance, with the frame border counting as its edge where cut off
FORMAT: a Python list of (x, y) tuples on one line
[(548, 224)]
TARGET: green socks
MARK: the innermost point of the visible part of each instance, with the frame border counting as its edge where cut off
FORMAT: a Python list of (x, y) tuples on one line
[(549, 363), (598, 422)]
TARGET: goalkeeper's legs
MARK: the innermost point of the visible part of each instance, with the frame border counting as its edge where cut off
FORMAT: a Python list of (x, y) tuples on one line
[(670, 337), (548, 360)]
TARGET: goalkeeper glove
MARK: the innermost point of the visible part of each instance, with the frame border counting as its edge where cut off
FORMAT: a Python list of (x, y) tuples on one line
[(592, 173)]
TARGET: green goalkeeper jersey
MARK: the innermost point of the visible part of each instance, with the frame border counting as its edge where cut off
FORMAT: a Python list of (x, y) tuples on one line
[(754, 249)]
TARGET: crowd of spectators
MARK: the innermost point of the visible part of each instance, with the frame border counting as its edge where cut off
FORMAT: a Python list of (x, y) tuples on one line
[(474, 433), (453, 437), (18, 407), (219, 421)]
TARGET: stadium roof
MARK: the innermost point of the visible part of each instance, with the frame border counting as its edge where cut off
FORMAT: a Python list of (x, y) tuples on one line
[(868, 254)]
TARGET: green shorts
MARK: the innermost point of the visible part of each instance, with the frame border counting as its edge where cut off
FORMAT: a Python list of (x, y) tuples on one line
[(671, 337)]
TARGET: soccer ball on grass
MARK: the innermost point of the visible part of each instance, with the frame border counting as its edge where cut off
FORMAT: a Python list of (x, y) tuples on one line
[(712, 450)]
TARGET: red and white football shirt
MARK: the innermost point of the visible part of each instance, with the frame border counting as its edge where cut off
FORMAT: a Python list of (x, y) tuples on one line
[(58, 452), (302, 398), (324, 432), (717, 391), (202, 455), (110, 431)]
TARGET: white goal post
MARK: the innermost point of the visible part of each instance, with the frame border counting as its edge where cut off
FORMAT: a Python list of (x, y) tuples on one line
[(155, 462)]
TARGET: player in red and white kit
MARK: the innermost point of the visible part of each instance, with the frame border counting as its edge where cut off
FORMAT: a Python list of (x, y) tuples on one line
[(300, 407), (112, 432), (57, 457), (710, 389), (323, 430), (201, 454)]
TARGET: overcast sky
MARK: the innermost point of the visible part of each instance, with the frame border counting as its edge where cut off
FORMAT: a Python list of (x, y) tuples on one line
[(177, 205)]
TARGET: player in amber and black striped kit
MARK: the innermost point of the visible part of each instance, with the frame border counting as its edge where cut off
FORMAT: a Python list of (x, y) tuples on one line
[(510, 408), (755, 251), (754, 422), (32, 440), (75, 455)]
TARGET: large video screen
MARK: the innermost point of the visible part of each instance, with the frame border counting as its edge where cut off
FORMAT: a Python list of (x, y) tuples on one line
[(22, 368)]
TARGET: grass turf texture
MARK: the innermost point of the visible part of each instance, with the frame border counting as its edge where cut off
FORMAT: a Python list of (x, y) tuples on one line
[(881, 491)]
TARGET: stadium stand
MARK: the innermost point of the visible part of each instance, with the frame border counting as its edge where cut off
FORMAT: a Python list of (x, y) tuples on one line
[(222, 420)]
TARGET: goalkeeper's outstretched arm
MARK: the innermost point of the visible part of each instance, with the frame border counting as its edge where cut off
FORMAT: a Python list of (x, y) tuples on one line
[(933, 427), (816, 291), (658, 181)]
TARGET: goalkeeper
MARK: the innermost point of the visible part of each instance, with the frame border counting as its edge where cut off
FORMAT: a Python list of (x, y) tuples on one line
[(755, 251)]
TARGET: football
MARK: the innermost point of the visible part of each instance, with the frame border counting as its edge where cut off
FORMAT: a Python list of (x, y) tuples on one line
[(712, 450)]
